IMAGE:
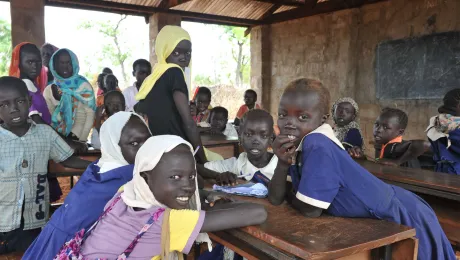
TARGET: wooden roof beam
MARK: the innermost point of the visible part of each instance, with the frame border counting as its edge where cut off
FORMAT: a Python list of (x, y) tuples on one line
[(106, 6), (314, 8), (285, 2)]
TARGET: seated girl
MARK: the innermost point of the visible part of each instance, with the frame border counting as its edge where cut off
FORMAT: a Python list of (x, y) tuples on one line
[(121, 137), (114, 102), (158, 215), (109, 83), (203, 101), (345, 113), (256, 164), (325, 177), (26, 64), (70, 98), (444, 134), (390, 148)]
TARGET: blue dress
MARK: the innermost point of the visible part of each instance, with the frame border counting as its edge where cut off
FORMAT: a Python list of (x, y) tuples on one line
[(334, 182), (447, 159), (352, 139), (81, 208)]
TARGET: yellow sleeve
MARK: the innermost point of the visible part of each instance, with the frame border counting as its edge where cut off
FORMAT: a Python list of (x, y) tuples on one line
[(184, 227), (212, 156)]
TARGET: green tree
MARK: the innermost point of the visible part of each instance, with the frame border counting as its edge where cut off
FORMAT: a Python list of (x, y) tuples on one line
[(116, 52), (5, 47), (240, 53)]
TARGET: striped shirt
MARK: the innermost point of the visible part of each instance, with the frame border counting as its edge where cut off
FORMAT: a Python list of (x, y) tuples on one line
[(23, 169)]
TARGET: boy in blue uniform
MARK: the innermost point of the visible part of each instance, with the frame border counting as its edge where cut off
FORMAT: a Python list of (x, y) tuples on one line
[(24, 154), (325, 177)]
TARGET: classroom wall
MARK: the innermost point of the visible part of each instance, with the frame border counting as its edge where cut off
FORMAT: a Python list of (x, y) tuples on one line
[(339, 49)]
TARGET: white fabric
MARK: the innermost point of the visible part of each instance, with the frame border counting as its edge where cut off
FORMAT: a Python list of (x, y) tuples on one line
[(326, 130), (311, 201), (242, 166), (433, 134), (230, 130), (111, 156), (130, 97), (30, 85), (95, 142)]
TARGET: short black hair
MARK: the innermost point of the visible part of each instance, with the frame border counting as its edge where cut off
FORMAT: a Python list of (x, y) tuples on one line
[(251, 91), (107, 70), (8, 82), (30, 48), (450, 102), (111, 75), (114, 93), (218, 110), (141, 62), (100, 79), (204, 91), (257, 115), (398, 113)]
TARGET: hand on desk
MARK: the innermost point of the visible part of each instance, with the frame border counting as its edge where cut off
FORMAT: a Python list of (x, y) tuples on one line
[(79, 147), (226, 178), (356, 152)]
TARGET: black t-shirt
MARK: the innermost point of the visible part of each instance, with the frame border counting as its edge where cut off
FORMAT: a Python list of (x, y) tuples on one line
[(159, 106)]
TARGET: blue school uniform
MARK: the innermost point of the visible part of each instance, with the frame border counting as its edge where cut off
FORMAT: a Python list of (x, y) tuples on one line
[(447, 158), (334, 182), (81, 208), (352, 139)]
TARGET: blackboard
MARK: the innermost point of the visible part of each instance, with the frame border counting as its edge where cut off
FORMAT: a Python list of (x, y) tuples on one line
[(423, 67)]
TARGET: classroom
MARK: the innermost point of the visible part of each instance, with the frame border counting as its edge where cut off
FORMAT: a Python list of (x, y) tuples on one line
[(345, 146)]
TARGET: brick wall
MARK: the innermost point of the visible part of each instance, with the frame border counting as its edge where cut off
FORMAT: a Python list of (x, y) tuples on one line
[(338, 48)]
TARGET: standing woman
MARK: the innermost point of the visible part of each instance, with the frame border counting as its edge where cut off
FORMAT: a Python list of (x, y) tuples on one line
[(164, 96), (70, 98)]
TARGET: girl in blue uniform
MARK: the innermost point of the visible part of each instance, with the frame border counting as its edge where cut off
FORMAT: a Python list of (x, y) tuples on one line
[(444, 134), (325, 177), (121, 137)]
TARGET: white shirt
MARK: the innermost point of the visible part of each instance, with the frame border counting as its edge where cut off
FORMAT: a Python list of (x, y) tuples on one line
[(130, 97), (230, 130), (242, 166)]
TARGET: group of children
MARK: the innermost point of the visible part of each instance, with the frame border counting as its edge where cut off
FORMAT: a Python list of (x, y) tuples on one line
[(144, 193)]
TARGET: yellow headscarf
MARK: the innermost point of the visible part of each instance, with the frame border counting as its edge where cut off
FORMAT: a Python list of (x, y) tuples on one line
[(165, 43)]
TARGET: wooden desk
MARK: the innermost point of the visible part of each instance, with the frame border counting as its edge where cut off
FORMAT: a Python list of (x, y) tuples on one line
[(57, 170), (421, 181), (440, 190), (226, 146), (288, 235)]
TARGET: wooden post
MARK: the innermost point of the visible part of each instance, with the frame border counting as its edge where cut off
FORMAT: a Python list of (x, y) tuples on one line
[(156, 23), (261, 64), (28, 21)]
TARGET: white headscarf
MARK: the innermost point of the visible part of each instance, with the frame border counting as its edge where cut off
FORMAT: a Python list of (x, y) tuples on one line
[(110, 135), (136, 192)]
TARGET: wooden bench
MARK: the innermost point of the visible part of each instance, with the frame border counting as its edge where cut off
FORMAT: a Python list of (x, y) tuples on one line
[(226, 146), (288, 235), (440, 190)]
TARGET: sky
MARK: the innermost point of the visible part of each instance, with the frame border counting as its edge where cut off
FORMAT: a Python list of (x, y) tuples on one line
[(62, 30)]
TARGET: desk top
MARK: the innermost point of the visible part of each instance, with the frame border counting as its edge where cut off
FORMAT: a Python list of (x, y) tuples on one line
[(428, 179), (325, 237), (208, 139)]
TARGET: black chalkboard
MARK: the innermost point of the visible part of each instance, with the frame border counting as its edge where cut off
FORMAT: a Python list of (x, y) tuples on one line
[(423, 67)]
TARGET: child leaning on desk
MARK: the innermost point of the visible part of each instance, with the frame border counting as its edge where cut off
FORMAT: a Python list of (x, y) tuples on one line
[(325, 177), (256, 164), (24, 154)]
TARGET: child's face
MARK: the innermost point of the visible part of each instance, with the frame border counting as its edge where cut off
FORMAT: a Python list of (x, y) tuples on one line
[(218, 121), (141, 72), (133, 136), (181, 55), (299, 113), (249, 99), (30, 64), (14, 108), (172, 181), (114, 104), (202, 102), (386, 128), (344, 114), (63, 65), (110, 83), (256, 137), (47, 52), (193, 109)]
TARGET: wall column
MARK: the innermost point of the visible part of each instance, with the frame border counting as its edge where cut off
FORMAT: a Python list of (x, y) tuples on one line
[(28, 21), (261, 64), (156, 23)]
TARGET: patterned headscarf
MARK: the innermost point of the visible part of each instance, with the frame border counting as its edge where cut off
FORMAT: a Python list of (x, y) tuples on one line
[(40, 82), (63, 117), (341, 131)]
